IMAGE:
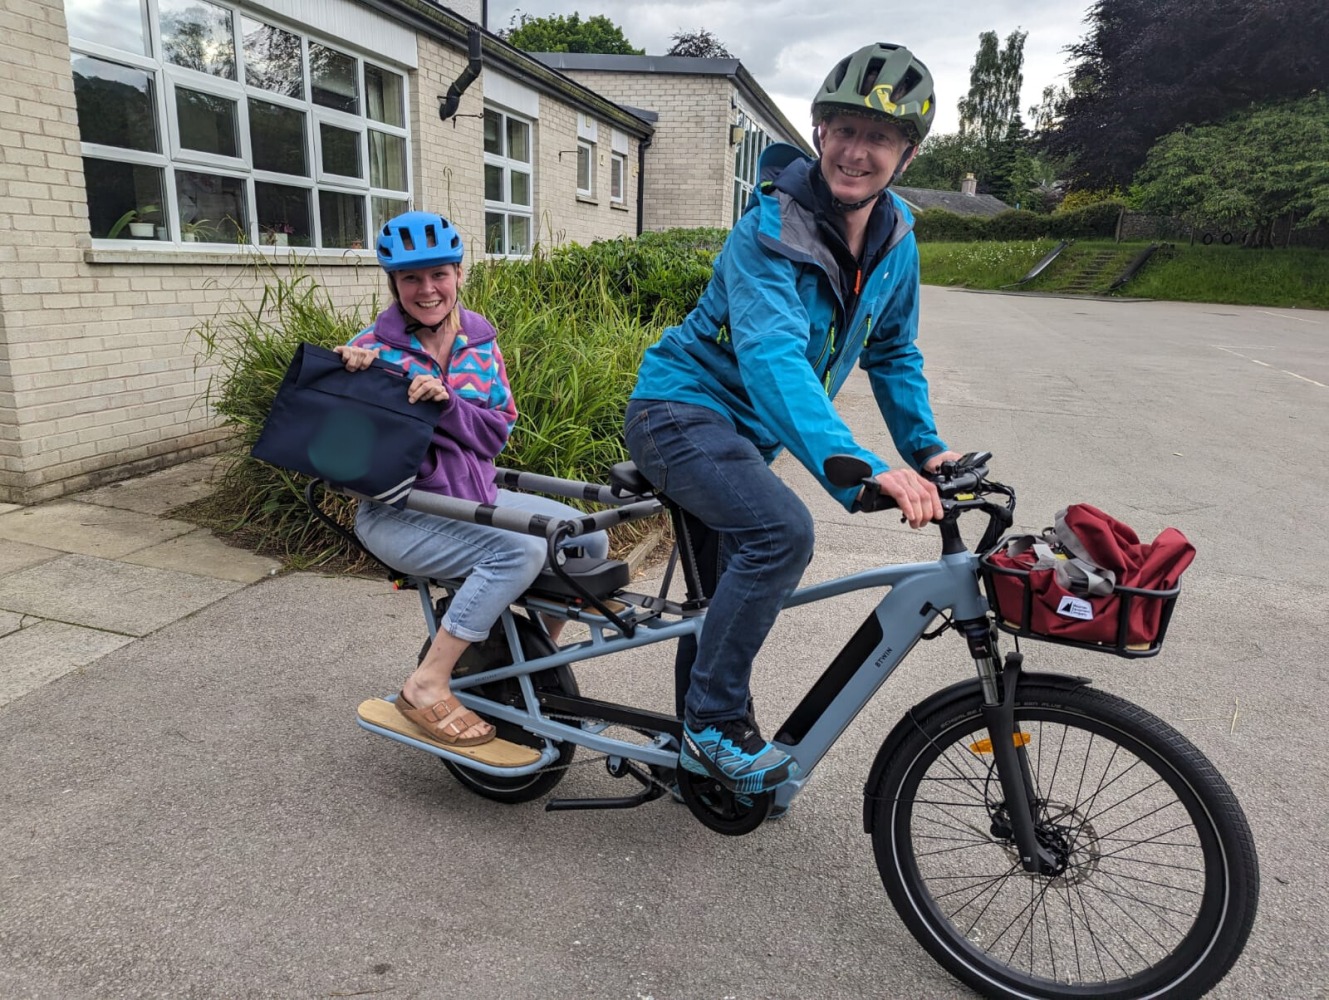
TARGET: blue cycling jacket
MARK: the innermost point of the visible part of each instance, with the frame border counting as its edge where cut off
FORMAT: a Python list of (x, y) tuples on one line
[(769, 345)]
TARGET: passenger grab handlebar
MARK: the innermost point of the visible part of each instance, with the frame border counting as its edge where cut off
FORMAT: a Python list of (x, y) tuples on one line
[(539, 525)]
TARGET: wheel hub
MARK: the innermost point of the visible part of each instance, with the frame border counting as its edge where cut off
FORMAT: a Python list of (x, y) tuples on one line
[(1063, 832)]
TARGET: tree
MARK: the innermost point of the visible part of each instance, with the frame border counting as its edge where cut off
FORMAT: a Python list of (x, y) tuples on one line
[(559, 33), (1149, 67), (995, 79), (1044, 115), (943, 160), (1247, 172), (699, 44)]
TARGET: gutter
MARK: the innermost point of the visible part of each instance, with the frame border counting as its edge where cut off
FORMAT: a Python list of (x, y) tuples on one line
[(444, 25), (641, 182)]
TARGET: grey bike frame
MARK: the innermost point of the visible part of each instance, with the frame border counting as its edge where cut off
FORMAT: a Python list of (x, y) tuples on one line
[(916, 595)]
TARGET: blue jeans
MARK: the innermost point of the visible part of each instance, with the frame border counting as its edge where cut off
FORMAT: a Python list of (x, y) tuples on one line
[(694, 455), (498, 565)]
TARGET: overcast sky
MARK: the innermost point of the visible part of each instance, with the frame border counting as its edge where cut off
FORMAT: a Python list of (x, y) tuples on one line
[(790, 45)]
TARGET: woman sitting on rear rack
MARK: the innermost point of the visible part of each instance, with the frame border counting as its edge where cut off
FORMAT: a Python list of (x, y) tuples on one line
[(451, 355)]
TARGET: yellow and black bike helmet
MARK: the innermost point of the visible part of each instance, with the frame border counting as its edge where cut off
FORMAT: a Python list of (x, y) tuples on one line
[(880, 79)]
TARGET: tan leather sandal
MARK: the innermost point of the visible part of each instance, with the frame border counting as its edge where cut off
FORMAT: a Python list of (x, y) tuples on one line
[(446, 720)]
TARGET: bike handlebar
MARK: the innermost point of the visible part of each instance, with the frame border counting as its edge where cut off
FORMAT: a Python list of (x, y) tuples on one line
[(964, 475)]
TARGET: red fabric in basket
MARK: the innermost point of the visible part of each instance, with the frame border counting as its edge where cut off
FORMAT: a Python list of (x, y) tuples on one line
[(1112, 545)]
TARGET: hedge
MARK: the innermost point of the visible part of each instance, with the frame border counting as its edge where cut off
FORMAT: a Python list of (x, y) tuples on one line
[(1096, 221)]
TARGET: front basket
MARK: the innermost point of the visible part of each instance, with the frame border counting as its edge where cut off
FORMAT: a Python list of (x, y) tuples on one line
[(1014, 602)]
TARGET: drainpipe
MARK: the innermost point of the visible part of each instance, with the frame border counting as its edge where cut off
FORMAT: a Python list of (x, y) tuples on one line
[(473, 66), (641, 181)]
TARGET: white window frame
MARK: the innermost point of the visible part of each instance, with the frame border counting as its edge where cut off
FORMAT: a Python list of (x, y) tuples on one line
[(167, 77), (505, 206), (618, 178), (587, 149), (618, 165), (746, 154)]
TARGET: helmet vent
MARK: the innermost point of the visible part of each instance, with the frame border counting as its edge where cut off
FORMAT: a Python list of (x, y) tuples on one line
[(406, 241), (870, 77), (431, 236)]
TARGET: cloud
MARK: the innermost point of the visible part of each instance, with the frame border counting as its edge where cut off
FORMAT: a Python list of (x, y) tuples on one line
[(790, 45)]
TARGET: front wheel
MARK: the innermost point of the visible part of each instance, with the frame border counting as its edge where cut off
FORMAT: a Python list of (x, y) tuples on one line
[(1156, 882)]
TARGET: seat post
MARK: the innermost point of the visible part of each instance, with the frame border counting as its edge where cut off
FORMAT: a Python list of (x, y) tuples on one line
[(686, 551)]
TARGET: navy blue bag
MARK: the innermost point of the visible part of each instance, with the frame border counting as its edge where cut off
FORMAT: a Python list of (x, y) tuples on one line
[(356, 430)]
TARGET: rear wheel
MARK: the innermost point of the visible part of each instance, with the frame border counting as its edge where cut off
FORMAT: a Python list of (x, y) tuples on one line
[(1155, 884), (493, 652)]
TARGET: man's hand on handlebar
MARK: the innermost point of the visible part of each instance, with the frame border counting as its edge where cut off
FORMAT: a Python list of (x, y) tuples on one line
[(916, 496), (934, 463)]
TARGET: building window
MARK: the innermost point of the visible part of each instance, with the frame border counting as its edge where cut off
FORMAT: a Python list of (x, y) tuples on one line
[(222, 128), (508, 204), (746, 154), (586, 169), (618, 166)]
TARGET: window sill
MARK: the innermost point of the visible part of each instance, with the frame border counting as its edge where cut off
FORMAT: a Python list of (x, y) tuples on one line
[(619, 206), (178, 253), (587, 199)]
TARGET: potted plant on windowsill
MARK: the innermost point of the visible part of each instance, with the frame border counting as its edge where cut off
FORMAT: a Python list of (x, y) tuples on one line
[(278, 235), (138, 220), (197, 231)]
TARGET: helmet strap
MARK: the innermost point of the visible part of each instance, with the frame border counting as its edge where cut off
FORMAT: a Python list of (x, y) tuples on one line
[(844, 208), (413, 324)]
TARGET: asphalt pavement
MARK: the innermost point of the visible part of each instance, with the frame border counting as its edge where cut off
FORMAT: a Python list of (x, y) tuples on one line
[(188, 809)]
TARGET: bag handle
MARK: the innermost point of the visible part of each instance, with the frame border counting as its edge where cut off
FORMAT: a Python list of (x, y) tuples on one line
[(1073, 573)]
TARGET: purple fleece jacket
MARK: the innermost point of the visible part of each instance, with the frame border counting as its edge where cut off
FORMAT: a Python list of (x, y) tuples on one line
[(479, 412)]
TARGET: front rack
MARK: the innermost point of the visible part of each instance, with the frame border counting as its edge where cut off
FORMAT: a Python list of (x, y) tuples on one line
[(1131, 622)]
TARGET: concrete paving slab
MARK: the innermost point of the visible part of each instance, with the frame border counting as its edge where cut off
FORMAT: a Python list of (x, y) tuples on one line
[(10, 621), (159, 492), (41, 652), (203, 553), (73, 526), (114, 596), (5, 508), (17, 555)]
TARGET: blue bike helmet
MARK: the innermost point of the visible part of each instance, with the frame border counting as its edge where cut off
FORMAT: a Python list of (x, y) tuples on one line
[(415, 240)]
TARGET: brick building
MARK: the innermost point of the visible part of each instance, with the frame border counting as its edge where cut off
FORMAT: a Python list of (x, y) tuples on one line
[(158, 160), (712, 121)]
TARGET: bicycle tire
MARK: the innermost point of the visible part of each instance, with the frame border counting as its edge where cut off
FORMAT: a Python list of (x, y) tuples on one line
[(958, 895), (486, 655)]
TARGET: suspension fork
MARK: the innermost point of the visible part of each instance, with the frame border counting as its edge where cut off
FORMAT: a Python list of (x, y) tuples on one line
[(1012, 760)]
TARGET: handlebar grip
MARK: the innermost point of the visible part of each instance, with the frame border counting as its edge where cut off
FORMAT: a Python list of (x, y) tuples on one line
[(873, 499)]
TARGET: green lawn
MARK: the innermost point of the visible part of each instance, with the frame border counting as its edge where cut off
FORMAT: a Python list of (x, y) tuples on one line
[(1292, 278)]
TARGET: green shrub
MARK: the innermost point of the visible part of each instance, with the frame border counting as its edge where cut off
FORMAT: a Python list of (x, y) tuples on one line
[(1078, 199), (261, 505), (1094, 221)]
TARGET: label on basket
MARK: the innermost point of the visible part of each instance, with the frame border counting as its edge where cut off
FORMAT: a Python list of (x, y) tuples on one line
[(1073, 607)]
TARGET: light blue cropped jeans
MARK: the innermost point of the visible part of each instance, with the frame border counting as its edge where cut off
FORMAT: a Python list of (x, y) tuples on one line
[(497, 565)]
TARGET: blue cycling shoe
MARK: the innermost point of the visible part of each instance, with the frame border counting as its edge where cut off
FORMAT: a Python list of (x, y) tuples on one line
[(735, 755)]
